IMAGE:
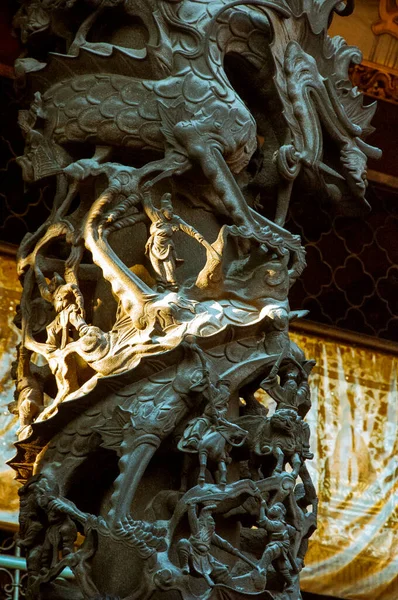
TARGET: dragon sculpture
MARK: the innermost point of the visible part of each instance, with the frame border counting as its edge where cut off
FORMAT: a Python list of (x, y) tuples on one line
[(155, 296)]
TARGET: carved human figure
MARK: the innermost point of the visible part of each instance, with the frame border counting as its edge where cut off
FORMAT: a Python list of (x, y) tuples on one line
[(211, 436), (284, 435), (31, 528), (292, 390), (61, 534), (44, 531), (68, 303), (29, 402), (48, 533), (290, 440), (215, 411), (68, 323), (215, 445), (278, 551), (194, 553), (160, 246), (305, 521)]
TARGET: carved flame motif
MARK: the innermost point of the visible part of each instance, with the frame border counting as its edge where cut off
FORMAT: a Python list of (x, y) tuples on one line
[(163, 292)]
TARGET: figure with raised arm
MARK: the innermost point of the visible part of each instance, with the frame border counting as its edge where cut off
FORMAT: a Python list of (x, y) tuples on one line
[(195, 552), (160, 246), (68, 303), (278, 550)]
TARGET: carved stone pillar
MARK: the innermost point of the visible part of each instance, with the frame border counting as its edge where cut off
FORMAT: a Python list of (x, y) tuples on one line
[(155, 299)]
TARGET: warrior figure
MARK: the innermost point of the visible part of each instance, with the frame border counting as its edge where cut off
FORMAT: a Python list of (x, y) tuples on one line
[(60, 536), (29, 392), (278, 550), (213, 414), (160, 246), (211, 436), (68, 303), (293, 390), (194, 552)]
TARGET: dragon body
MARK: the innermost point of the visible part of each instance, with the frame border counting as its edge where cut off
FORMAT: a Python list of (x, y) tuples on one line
[(193, 116)]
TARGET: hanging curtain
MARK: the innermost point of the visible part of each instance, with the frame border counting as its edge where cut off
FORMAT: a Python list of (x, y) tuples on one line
[(354, 425)]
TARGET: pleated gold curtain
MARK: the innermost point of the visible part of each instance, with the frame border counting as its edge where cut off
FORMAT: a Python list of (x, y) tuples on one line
[(354, 425)]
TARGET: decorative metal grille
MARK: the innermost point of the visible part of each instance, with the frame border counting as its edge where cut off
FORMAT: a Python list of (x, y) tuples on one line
[(12, 579), (356, 288)]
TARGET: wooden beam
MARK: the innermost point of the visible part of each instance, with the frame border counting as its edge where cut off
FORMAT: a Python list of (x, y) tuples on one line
[(344, 336)]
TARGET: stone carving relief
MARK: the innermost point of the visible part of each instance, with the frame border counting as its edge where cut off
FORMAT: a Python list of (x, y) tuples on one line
[(155, 297)]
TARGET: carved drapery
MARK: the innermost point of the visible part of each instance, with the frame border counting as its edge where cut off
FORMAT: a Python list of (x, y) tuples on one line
[(155, 296)]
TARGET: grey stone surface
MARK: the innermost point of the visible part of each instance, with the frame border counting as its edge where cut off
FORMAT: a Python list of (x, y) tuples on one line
[(155, 297)]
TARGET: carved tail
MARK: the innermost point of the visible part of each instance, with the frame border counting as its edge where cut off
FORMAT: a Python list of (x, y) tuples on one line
[(132, 466), (132, 292)]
